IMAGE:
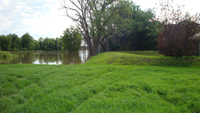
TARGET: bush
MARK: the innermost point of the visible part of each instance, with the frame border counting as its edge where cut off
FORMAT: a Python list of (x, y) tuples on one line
[(4, 54), (177, 39)]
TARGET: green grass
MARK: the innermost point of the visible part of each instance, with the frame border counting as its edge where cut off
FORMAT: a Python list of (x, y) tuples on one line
[(143, 58), (100, 87)]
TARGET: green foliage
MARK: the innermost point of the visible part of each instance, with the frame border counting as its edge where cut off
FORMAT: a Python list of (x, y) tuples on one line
[(131, 28), (58, 44), (27, 42), (36, 45), (5, 54), (9, 42), (71, 40), (49, 44)]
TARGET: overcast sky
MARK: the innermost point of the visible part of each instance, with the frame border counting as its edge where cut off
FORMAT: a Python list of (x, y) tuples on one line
[(42, 18)]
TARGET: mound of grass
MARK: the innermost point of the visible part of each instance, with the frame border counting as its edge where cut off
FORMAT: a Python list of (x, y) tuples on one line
[(149, 58), (149, 53)]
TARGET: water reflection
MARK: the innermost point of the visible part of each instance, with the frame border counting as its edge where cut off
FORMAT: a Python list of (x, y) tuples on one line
[(49, 57)]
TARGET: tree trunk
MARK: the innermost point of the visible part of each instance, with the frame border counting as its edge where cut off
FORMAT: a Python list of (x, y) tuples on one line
[(119, 44), (199, 47), (107, 44), (90, 48)]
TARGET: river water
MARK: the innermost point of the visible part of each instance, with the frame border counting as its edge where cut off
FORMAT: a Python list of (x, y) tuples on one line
[(48, 57)]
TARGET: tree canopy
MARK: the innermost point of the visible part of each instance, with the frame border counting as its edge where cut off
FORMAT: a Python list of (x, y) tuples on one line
[(121, 22), (71, 39)]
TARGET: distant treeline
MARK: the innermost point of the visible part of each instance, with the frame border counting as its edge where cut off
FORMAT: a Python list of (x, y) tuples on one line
[(70, 41), (12, 42)]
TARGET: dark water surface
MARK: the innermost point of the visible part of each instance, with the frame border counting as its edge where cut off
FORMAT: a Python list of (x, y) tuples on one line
[(48, 57)]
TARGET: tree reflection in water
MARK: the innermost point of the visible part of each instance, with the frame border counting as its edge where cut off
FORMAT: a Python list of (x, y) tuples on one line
[(50, 57)]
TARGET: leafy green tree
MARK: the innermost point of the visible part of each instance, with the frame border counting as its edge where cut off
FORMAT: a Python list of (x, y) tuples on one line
[(131, 28), (71, 40), (58, 44), (36, 45), (3, 42), (91, 17), (14, 41), (49, 44), (6, 42), (10, 42), (40, 40), (27, 42)]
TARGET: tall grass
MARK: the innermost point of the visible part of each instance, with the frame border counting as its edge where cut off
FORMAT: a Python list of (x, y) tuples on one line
[(98, 88)]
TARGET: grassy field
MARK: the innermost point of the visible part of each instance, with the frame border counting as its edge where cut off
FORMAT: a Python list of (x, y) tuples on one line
[(102, 85)]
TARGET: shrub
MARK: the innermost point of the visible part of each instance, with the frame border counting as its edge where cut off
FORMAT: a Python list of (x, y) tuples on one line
[(176, 39), (4, 54), (177, 30)]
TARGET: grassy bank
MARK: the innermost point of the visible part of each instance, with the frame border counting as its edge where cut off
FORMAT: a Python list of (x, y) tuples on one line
[(143, 58), (99, 87)]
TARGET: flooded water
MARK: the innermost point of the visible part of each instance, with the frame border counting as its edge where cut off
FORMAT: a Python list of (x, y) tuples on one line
[(48, 57)]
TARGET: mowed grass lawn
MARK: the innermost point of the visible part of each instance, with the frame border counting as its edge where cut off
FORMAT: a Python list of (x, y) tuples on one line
[(101, 86)]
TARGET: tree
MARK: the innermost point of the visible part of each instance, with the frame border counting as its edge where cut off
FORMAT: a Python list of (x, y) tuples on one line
[(177, 30), (49, 44), (10, 42), (131, 28), (3, 42), (58, 44), (27, 42), (36, 45), (6, 42), (71, 40), (91, 17), (14, 41), (40, 40)]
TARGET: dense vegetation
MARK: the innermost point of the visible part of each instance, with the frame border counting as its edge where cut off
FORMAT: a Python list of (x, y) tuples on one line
[(5, 54), (12, 42), (178, 31), (71, 40), (98, 86)]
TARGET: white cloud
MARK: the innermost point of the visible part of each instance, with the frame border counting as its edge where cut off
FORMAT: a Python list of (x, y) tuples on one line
[(5, 24), (39, 18), (47, 25)]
